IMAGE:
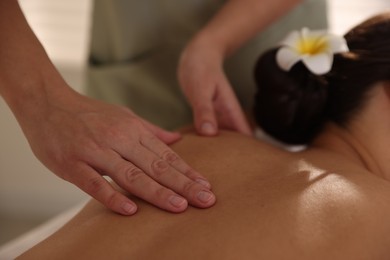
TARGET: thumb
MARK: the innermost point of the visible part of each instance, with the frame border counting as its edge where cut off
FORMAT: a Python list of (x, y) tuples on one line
[(166, 136), (204, 117)]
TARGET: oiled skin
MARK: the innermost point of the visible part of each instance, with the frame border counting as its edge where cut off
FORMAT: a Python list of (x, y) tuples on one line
[(271, 204)]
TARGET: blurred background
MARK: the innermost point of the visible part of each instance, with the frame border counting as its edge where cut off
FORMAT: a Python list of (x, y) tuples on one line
[(29, 193)]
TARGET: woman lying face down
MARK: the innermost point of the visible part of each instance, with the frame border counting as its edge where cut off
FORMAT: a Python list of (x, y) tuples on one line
[(330, 201)]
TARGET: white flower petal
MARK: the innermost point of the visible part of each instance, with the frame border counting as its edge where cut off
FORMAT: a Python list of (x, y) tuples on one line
[(316, 33), (337, 44), (314, 48), (291, 40), (304, 32), (319, 64), (286, 58)]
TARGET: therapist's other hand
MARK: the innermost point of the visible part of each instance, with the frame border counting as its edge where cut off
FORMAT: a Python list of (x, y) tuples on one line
[(207, 89), (86, 138)]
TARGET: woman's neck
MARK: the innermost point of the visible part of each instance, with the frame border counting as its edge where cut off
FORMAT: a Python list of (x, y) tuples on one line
[(346, 143)]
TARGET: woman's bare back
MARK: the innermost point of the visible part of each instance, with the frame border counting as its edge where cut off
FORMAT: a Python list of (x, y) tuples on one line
[(271, 204)]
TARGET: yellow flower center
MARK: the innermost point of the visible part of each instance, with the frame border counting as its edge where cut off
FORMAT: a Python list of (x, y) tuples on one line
[(312, 45)]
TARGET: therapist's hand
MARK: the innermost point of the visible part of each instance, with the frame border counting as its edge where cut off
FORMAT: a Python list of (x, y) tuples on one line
[(207, 89), (82, 139)]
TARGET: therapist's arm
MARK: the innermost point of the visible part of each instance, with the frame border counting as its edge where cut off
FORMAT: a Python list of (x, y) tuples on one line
[(201, 73), (81, 139)]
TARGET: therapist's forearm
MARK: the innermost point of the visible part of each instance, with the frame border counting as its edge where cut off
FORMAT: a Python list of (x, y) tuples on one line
[(28, 79), (240, 20)]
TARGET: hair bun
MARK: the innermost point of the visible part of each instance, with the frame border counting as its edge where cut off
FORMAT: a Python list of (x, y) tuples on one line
[(289, 106)]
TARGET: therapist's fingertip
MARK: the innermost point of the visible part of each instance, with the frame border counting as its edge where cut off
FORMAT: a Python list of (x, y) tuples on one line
[(208, 128), (128, 208), (206, 197), (178, 202)]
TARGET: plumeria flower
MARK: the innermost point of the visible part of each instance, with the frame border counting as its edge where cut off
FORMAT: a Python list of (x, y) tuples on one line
[(314, 48)]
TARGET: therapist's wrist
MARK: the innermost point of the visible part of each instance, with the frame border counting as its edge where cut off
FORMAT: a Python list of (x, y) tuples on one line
[(30, 96), (205, 41)]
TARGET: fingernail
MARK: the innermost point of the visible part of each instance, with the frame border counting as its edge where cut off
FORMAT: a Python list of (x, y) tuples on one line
[(177, 201), (205, 196), (129, 208), (204, 183), (207, 128)]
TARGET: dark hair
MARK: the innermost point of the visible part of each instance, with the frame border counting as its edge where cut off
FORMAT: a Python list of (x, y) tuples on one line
[(293, 106)]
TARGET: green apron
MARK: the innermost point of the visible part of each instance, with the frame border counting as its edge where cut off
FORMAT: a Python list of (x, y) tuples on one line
[(135, 47)]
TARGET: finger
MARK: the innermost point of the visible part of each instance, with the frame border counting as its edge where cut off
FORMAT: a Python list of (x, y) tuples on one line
[(165, 136), (95, 185), (163, 173), (204, 115), (173, 159), (132, 179), (200, 99), (231, 113), (135, 181)]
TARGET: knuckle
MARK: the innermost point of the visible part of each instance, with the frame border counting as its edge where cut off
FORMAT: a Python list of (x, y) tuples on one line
[(132, 174), (191, 173), (159, 167), (170, 156), (144, 139), (89, 146), (94, 185), (111, 131), (161, 192)]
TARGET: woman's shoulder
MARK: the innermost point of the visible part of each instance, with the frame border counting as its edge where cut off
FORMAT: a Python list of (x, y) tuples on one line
[(226, 146)]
